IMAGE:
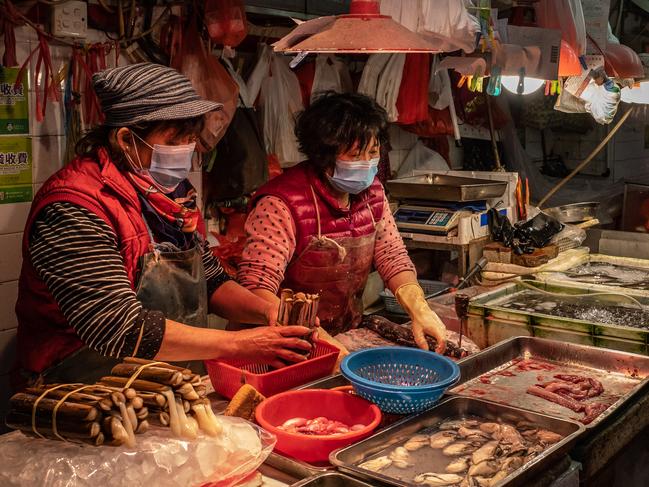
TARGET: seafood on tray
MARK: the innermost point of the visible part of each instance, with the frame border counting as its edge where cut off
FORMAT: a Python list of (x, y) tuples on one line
[(569, 391), (464, 452), (318, 426)]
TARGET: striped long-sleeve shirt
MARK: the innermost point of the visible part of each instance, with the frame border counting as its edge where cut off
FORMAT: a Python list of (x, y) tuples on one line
[(76, 254)]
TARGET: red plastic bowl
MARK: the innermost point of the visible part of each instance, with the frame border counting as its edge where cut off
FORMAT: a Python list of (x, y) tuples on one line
[(312, 403)]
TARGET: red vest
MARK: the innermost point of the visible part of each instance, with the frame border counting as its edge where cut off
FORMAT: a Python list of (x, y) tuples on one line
[(44, 337), (294, 188)]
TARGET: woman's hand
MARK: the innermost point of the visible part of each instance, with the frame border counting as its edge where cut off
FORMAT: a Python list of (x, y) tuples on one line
[(273, 345)]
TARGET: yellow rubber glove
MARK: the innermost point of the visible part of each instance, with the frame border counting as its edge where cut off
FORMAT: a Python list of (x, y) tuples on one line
[(424, 320)]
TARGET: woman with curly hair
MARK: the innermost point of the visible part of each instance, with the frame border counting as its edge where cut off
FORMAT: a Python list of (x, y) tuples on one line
[(323, 224)]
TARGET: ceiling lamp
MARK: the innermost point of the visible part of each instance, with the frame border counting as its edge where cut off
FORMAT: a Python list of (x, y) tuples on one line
[(518, 86), (569, 64), (364, 30), (622, 62)]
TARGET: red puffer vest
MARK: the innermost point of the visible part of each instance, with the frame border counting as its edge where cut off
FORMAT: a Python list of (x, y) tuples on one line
[(44, 337), (294, 188)]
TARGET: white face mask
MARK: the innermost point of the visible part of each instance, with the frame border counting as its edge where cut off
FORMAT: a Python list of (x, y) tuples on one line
[(170, 164)]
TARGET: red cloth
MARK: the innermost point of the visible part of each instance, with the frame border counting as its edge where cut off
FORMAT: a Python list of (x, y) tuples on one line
[(44, 337), (173, 211), (305, 73), (293, 187), (412, 102), (438, 122)]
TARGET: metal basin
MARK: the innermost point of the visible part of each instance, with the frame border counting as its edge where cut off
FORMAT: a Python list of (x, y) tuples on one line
[(574, 213)]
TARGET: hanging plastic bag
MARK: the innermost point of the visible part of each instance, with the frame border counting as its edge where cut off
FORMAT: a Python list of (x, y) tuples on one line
[(601, 101), (406, 13), (566, 16), (371, 73), (259, 72), (387, 88), (440, 95), (226, 21), (330, 74), (447, 22), (281, 101), (211, 81), (421, 159), (244, 97)]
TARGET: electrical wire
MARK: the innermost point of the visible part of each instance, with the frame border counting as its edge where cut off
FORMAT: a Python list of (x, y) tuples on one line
[(124, 42)]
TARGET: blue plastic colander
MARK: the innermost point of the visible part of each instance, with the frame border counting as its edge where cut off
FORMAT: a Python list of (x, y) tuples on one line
[(400, 380)]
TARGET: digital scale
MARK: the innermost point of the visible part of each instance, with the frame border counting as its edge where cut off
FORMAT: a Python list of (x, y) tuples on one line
[(425, 219), (434, 204)]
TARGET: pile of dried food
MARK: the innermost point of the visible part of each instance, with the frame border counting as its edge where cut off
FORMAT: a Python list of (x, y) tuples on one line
[(466, 452), (138, 392)]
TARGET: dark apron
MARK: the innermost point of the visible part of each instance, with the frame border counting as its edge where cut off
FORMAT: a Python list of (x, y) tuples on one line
[(171, 281)]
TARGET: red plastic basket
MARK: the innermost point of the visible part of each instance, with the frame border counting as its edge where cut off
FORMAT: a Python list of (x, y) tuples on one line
[(228, 376)]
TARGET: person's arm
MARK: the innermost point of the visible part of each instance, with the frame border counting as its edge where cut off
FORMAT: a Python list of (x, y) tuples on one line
[(393, 263), (391, 257), (266, 345), (231, 300), (75, 253), (269, 248), (235, 303)]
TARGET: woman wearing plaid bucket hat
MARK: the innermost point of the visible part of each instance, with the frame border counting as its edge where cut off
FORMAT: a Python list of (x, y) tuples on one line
[(115, 262)]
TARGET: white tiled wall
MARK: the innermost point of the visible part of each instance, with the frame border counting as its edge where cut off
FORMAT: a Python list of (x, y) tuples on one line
[(628, 158), (48, 148)]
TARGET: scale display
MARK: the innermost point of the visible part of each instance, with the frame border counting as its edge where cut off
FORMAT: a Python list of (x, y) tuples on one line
[(425, 220)]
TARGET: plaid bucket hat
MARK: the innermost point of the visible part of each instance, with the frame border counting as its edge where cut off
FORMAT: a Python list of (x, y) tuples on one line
[(146, 92)]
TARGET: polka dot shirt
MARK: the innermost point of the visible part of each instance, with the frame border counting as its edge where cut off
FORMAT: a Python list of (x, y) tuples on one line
[(271, 243)]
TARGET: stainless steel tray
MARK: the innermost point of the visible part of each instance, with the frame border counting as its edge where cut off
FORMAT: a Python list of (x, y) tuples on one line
[(331, 480), (348, 458), (622, 374), (440, 187), (279, 476)]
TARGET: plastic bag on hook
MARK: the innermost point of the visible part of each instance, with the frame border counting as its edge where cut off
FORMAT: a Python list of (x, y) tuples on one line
[(211, 81)]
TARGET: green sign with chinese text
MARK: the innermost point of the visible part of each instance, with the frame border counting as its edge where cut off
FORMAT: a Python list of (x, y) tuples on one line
[(15, 169), (14, 102)]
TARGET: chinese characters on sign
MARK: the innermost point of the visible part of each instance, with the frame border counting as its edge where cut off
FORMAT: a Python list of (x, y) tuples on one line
[(15, 169), (14, 103)]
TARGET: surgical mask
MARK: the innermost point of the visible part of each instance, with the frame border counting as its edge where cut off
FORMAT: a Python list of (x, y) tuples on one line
[(354, 176), (170, 164)]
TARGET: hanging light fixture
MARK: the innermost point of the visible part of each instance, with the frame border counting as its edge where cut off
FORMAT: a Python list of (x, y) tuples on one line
[(364, 30), (623, 62), (569, 64), (521, 85)]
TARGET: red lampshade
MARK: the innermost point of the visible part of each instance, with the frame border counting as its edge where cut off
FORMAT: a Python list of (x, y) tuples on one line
[(569, 64), (621, 61), (364, 30)]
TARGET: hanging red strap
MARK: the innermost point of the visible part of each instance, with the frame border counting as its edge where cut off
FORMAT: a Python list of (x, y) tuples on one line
[(47, 80), (92, 109)]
